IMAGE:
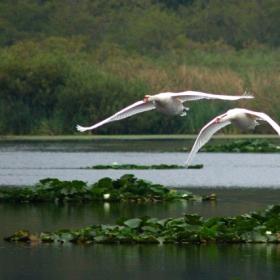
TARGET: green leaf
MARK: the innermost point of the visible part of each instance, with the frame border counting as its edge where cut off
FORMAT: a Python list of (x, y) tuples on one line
[(193, 219), (105, 183), (133, 223), (150, 229)]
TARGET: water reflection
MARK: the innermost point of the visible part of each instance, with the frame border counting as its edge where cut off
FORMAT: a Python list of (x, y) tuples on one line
[(140, 261)]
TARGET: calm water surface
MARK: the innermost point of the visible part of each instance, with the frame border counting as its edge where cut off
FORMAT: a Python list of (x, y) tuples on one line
[(25, 163), (243, 183)]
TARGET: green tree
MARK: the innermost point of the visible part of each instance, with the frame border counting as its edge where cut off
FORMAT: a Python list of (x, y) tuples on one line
[(22, 19), (145, 33)]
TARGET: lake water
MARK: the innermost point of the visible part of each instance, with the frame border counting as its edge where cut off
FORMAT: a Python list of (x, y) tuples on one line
[(26, 162), (243, 183)]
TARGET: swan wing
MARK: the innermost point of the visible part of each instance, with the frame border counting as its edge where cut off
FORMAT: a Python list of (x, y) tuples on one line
[(196, 95), (135, 108), (264, 117), (204, 136)]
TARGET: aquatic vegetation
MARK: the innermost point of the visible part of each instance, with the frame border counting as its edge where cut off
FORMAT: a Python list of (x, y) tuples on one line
[(244, 146), (143, 167), (257, 227), (126, 188), (240, 146)]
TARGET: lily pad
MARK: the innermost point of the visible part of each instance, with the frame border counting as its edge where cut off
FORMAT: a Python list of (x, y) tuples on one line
[(133, 223)]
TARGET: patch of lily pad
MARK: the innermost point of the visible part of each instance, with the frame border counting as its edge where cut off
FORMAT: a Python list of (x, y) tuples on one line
[(240, 146), (244, 146), (143, 167), (257, 227), (127, 189)]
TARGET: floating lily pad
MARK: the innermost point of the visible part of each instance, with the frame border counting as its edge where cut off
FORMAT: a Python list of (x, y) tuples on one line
[(257, 227)]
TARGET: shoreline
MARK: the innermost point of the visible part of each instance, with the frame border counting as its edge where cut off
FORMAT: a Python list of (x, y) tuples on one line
[(130, 137)]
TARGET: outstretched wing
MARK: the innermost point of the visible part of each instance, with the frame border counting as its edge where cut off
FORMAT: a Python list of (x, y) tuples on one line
[(196, 95), (204, 136), (264, 117), (135, 108)]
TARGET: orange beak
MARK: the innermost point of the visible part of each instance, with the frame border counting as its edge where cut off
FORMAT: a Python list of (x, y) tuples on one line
[(145, 99), (217, 120)]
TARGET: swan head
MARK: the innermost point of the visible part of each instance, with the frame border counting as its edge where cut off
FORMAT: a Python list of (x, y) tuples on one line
[(223, 118), (218, 120), (146, 98)]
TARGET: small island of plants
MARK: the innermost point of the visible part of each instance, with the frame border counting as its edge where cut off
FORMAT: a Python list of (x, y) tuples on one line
[(244, 146), (125, 189), (239, 146), (144, 167), (257, 227)]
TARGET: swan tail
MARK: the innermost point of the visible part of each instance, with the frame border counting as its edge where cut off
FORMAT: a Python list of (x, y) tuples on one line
[(247, 95), (184, 113), (81, 128)]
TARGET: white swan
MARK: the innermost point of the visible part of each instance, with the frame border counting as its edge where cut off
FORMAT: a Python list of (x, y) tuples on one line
[(242, 118), (168, 103)]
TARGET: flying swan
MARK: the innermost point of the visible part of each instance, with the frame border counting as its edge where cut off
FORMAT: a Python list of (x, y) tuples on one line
[(168, 103), (242, 118)]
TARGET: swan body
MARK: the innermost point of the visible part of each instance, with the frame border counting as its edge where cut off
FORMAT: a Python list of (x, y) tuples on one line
[(168, 103), (242, 118)]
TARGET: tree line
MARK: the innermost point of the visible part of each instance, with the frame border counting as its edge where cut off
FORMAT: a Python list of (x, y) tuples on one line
[(143, 25)]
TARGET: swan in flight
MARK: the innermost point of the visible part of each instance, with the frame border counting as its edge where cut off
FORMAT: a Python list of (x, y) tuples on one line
[(242, 118), (168, 103)]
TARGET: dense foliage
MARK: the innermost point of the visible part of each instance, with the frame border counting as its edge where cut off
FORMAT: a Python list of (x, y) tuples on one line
[(139, 24), (69, 62), (257, 227)]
